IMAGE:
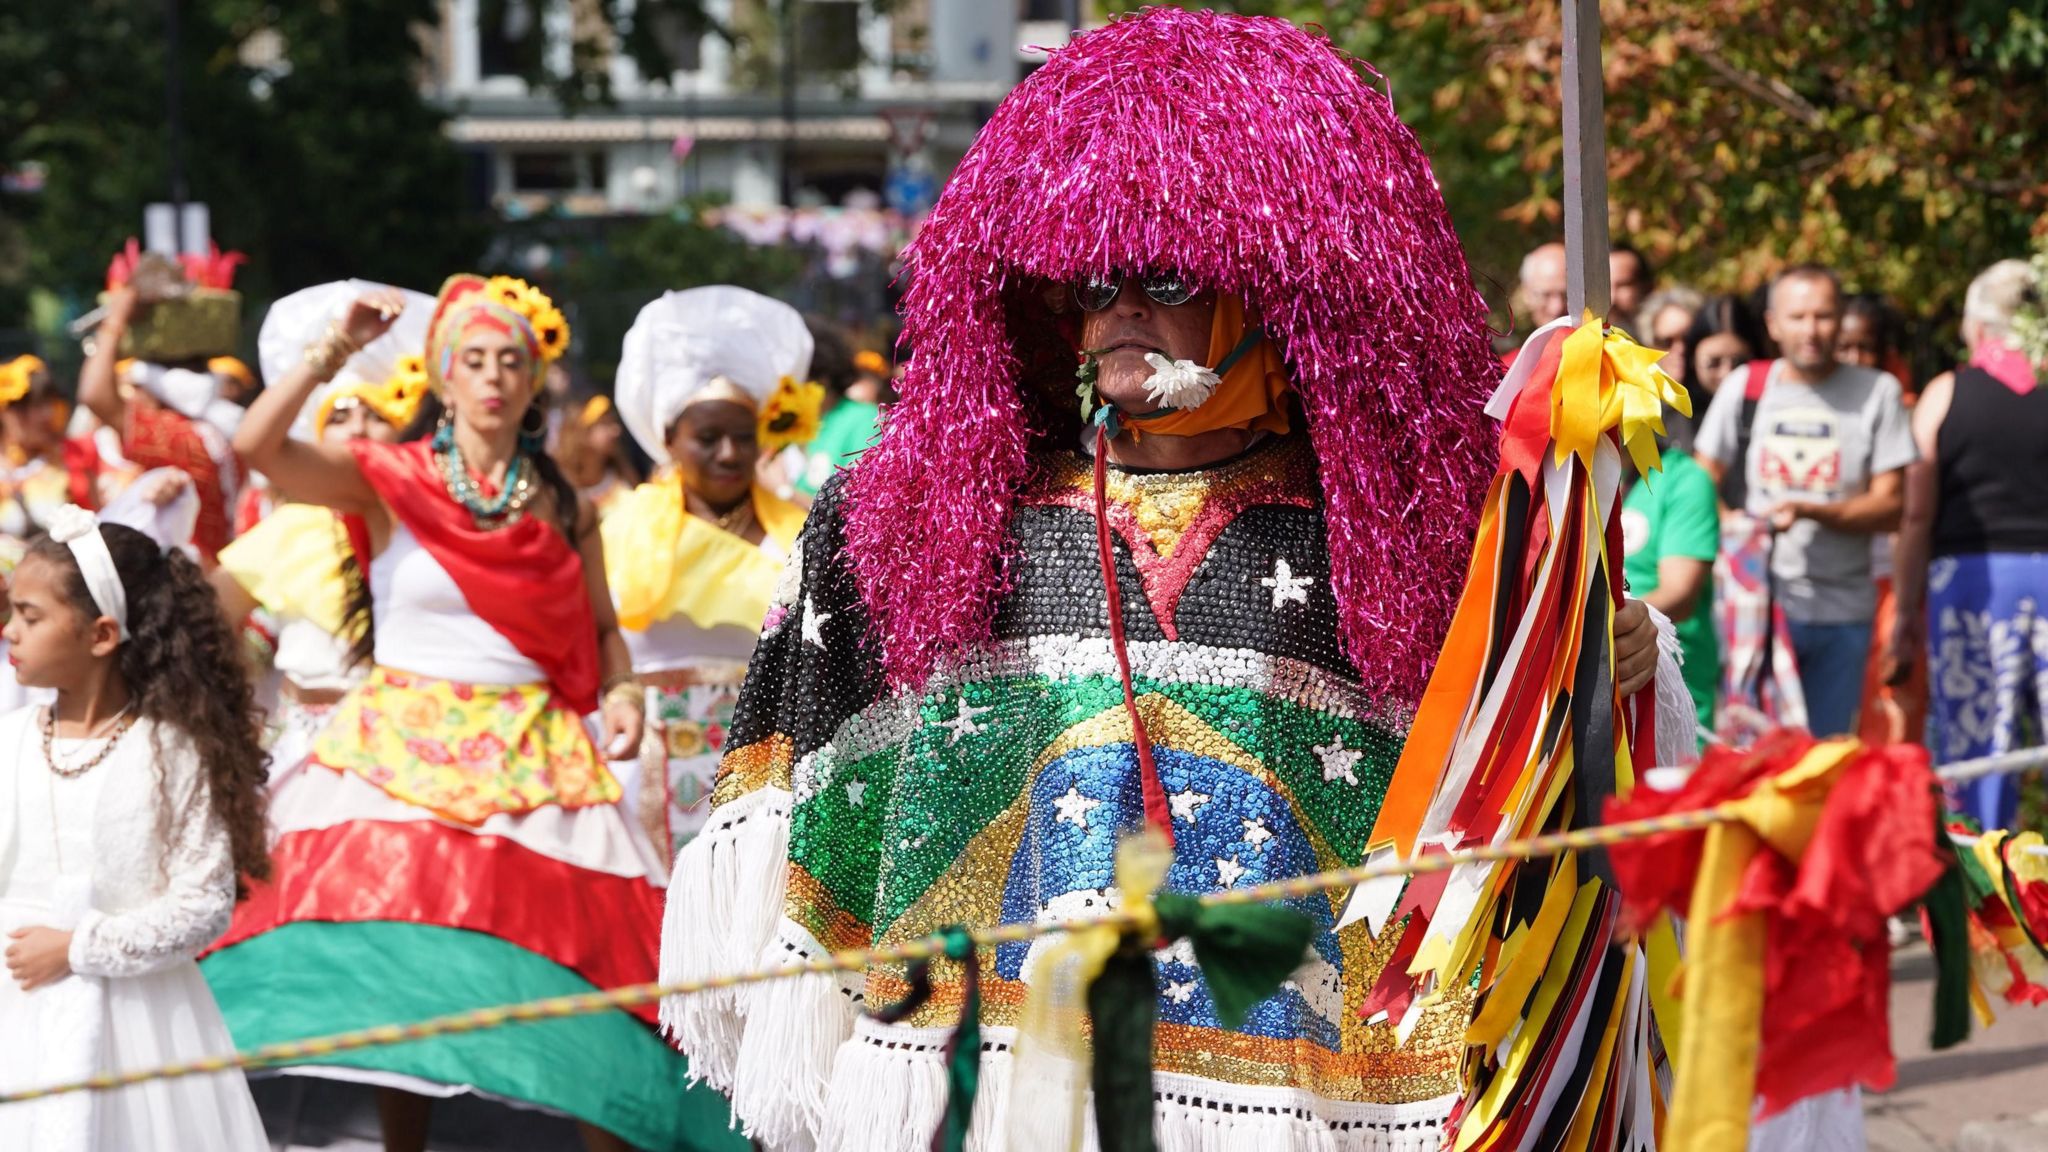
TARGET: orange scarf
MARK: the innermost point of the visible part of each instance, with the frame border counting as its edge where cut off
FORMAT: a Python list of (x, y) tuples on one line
[(1250, 395)]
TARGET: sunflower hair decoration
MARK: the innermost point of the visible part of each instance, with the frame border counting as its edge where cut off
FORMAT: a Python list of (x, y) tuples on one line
[(791, 414), (550, 327), (395, 400), (407, 386), (16, 376)]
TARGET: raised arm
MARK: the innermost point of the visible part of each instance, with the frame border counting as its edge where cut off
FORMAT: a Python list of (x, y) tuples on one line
[(316, 473), (97, 388)]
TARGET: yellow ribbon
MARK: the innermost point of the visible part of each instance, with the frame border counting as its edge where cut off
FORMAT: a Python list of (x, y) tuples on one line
[(1724, 965), (1052, 1051), (1605, 381)]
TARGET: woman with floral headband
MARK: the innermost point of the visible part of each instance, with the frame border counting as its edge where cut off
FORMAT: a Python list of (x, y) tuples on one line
[(454, 839), (708, 385)]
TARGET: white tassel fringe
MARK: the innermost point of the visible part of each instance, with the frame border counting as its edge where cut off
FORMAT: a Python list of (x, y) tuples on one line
[(889, 1093), (724, 902)]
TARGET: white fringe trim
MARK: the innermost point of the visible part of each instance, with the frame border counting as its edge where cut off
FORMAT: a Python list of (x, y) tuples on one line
[(724, 902), (793, 1029), (889, 1093)]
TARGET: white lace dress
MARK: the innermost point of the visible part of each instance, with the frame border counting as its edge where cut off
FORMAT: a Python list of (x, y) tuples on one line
[(129, 857)]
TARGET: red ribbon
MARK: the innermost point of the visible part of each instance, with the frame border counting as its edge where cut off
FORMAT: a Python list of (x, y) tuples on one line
[(1157, 813)]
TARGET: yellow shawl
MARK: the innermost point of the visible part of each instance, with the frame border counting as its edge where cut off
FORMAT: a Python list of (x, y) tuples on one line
[(290, 563), (662, 561)]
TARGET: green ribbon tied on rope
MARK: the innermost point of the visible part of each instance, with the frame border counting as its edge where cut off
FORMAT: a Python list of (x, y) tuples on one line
[(963, 1051), (1244, 951)]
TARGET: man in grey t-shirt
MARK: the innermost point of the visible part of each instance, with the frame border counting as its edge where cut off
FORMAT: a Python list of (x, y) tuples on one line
[(1825, 466)]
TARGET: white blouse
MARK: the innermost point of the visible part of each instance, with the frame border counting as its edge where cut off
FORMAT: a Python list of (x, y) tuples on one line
[(425, 625), (137, 832)]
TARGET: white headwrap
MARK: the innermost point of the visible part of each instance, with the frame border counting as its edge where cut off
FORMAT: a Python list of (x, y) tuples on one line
[(686, 340), (296, 321), (78, 530)]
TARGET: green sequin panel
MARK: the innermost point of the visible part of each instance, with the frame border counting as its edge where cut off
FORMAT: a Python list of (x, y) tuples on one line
[(836, 835), (962, 767)]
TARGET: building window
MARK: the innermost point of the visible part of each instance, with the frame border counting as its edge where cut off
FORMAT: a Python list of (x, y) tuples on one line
[(509, 37), (544, 172), (828, 36)]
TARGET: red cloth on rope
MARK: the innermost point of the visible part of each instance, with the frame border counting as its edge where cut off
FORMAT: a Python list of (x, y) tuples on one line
[(522, 579), (1827, 964)]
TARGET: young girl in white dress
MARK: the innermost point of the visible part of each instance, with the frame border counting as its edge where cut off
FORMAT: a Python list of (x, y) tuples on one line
[(128, 810)]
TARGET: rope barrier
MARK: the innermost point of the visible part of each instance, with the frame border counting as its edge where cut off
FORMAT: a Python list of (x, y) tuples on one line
[(932, 947)]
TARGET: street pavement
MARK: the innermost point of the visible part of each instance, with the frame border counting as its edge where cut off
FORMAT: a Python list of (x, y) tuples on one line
[(1987, 1094)]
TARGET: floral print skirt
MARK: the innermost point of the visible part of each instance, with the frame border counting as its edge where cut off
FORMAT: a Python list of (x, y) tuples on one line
[(1987, 663), (465, 752)]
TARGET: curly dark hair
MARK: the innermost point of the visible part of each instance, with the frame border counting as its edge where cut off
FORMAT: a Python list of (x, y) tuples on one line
[(184, 669)]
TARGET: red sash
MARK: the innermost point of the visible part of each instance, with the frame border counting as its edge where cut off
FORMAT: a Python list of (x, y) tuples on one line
[(82, 466), (522, 579)]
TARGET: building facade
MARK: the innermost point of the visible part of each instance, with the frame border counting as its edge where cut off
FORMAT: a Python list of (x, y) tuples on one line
[(771, 102)]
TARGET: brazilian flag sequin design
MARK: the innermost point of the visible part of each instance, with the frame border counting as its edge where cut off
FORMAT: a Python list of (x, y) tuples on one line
[(998, 793)]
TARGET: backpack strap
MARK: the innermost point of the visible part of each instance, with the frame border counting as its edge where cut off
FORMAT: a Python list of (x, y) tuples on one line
[(1756, 377)]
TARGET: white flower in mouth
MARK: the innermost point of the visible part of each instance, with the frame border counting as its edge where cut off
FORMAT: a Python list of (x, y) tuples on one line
[(1178, 383)]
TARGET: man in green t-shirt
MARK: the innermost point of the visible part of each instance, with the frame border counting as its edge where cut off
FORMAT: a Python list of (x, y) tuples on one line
[(1670, 531)]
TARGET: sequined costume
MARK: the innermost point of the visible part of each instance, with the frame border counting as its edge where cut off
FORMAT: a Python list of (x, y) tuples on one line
[(997, 792), (934, 731)]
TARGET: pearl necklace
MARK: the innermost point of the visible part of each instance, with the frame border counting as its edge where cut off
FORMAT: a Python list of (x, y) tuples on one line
[(121, 719)]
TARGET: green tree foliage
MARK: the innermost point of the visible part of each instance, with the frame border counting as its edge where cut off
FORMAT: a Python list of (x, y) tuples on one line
[(1898, 140), (319, 160)]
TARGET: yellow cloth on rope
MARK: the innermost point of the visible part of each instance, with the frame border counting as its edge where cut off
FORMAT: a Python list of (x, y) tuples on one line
[(1628, 392), (290, 563), (1052, 1051), (663, 562), (1724, 966)]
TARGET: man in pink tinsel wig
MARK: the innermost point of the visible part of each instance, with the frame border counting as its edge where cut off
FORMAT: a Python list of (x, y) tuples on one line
[(1190, 314)]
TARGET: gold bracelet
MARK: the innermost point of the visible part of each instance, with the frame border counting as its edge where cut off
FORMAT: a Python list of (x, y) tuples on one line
[(326, 355), (626, 691)]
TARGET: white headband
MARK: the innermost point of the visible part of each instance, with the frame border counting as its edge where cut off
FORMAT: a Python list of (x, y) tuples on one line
[(78, 530)]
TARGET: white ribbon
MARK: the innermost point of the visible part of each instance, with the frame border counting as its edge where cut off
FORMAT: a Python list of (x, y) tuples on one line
[(78, 530)]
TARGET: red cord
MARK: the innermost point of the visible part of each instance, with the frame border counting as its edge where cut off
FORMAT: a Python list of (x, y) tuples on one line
[(1156, 811)]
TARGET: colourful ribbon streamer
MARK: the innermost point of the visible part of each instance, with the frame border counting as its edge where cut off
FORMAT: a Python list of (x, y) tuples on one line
[(1608, 382)]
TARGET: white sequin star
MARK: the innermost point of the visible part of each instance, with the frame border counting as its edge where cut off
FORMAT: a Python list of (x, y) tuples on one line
[(1255, 832), (1180, 991), (855, 791), (1228, 871), (1074, 807), (1338, 761), (814, 623), (1286, 586), (1185, 802), (963, 722)]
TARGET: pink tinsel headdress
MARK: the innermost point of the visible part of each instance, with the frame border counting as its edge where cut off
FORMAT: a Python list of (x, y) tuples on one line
[(1251, 156)]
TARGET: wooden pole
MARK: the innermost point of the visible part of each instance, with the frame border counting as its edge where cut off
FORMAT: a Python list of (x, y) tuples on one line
[(1585, 162)]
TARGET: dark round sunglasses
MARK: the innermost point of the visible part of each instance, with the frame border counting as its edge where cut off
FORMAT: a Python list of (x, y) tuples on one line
[(1167, 288)]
